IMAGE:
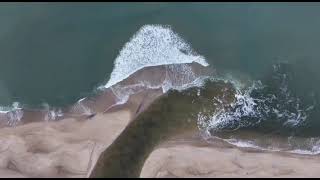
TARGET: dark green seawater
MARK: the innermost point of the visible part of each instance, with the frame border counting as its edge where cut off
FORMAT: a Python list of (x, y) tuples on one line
[(60, 52)]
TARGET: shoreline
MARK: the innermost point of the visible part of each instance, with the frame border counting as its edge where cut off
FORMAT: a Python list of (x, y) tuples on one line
[(36, 148), (151, 78), (50, 141), (135, 153), (193, 159), (73, 145), (68, 147)]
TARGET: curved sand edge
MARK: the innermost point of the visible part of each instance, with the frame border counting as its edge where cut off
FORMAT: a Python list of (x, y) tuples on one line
[(193, 159)]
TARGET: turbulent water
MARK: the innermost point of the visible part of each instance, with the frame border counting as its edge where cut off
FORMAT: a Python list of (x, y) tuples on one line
[(53, 56)]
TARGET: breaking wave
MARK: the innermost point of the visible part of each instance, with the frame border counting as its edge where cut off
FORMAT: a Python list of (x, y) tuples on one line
[(152, 45)]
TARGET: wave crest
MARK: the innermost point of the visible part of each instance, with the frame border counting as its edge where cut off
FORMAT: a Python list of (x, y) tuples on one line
[(152, 45)]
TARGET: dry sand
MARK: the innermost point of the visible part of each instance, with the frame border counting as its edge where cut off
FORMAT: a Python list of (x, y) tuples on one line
[(194, 158), (58, 149), (69, 147)]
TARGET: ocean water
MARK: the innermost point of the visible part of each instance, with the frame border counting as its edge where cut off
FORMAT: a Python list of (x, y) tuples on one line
[(54, 54)]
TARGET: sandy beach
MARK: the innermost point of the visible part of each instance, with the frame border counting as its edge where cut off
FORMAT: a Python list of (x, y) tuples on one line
[(185, 160), (189, 156), (165, 90), (68, 147), (71, 147)]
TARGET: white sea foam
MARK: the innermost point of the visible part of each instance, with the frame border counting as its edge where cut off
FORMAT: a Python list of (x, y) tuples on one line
[(180, 77), (177, 76), (4, 110), (81, 99), (79, 107), (244, 105), (15, 114), (248, 110), (12, 113), (123, 93), (152, 45), (53, 115), (308, 152), (240, 143), (313, 150)]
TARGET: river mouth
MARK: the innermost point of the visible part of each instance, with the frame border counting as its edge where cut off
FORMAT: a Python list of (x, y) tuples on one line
[(180, 111), (170, 89), (171, 114), (160, 115)]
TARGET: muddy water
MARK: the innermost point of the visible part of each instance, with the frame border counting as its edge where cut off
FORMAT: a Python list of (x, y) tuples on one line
[(172, 113)]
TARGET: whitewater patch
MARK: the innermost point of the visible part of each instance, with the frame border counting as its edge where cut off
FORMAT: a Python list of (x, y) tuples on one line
[(231, 116), (14, 114), (152, 45), (263, 105), (259, 103), (311, 146), (312, 149), (4, 110), (52, 113), (173, 76)]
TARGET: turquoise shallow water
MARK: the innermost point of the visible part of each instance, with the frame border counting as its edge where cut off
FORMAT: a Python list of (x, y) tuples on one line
[(57, 53)]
